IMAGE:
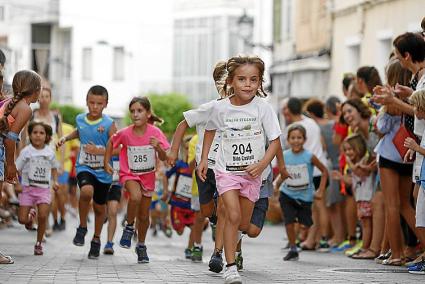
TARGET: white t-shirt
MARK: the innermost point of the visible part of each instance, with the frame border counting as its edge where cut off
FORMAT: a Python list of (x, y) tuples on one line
[(313, 143), (243, 130), (36, 166), (199, 118)]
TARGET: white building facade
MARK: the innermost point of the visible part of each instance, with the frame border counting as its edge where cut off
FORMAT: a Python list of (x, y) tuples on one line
[(75, 44), (206, 32)]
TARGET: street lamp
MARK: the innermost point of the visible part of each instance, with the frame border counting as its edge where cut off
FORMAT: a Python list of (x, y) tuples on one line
[(245, 30)]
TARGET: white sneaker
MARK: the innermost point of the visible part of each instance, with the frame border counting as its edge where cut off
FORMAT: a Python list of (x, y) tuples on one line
[(231, 275)]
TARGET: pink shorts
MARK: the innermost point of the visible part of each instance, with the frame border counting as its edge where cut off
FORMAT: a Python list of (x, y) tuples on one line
[(145, 190), (248, 187), (31, 196)]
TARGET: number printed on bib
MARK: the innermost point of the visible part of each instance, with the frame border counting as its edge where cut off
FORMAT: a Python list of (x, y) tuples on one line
[(242, 148), (184, 186), (93, 161), (213, 151), (141, 159), (299, 177), (40, 172)]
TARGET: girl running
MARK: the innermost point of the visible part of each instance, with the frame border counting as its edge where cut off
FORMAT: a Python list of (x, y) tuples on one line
[(37, 165), (141, 143), (26, 87), (243, 120)]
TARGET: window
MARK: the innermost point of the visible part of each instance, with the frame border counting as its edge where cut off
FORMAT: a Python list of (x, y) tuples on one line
[(1, 13), (288, 23), (383, 54), (87, 64), (118, 64), (277, 20), (352, 58), (352, 53)]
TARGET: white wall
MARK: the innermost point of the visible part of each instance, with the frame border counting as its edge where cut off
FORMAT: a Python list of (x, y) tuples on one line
[(142, 28)]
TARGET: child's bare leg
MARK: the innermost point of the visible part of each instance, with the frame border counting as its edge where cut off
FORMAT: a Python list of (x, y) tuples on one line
[(43, 213)]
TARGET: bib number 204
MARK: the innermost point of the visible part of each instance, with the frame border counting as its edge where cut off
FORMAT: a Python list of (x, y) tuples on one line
[(241, 149)]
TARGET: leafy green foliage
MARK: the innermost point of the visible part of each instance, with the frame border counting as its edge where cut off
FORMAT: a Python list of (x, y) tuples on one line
[(68, 112), (169, 107)]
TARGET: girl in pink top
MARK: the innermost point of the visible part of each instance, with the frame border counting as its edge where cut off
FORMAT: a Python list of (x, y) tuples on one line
[(141, 143)]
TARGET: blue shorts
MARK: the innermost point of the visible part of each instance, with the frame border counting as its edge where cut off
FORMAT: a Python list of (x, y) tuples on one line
[(63, 178)]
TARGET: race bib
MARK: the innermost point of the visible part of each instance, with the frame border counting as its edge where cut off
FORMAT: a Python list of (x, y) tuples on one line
[(116, 168), (417, 166), (213, 151), (299, 177), (184, 186), (93, 161), (242, 148), (40, 172), (141, 159)]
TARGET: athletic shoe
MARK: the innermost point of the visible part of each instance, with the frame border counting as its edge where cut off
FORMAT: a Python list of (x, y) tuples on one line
[(94, 249), (109, 248), (216, 262), (55, 226), (197, 254), (418, 268), (38, 249), (239, 260), (354, 250), (127, 234), (79, 236), (62, 225), (292, 255), (414, 262), (231, 275), (188, 253), (342, 247), (323, 246), (142, 255)]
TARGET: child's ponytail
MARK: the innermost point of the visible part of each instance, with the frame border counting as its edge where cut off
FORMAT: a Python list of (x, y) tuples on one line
[(220, 78), (24, 84)]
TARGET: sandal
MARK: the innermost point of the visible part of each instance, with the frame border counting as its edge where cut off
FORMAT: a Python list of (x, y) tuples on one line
[(393, 262), (382, 257), (5, 259), (366, 254)]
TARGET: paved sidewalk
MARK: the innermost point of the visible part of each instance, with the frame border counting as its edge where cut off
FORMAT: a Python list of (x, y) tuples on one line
[(65, 263)]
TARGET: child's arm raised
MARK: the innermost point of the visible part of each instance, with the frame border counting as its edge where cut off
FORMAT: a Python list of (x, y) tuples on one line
[(206, 146), (255, 170), (322, 187), (177, 139)]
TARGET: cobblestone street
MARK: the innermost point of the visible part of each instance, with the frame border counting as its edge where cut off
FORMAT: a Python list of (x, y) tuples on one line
[(66, 263)]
